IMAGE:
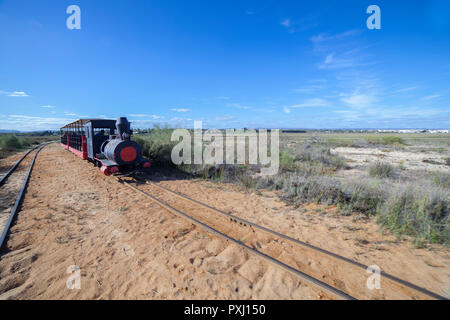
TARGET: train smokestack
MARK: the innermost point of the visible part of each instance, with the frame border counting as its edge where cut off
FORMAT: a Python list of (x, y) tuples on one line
[(123, 128)]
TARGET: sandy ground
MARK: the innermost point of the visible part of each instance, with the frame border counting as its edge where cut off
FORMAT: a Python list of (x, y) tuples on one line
[(129, 248), (410, 160), (12, 186)]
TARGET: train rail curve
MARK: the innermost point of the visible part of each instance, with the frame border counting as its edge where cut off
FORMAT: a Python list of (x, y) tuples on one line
[(4, 227), (276, 237), (298, 273)]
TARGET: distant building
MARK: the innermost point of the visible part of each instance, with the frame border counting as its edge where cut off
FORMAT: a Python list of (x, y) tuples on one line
[(438, 131), (413, 131)]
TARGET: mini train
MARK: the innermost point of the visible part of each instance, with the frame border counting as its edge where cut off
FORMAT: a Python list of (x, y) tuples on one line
[(106, 143)]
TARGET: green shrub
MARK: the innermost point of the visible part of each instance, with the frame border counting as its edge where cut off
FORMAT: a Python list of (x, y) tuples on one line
[(385, 140), (442, 179), (392, 140), (286, 159), (353, 196), (314, 154), (12, 142), (380, 169), (157, 145), (362, 196), (421, 212)]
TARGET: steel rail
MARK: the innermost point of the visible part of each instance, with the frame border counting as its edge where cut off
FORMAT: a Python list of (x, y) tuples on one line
[(19, 197), (307, 278), (11, 170), (304, 244)]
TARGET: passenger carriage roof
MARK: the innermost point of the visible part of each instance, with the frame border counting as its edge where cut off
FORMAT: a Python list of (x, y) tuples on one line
[(82, 122)]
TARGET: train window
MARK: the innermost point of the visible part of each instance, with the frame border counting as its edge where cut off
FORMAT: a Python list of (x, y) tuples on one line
[(98, 131)]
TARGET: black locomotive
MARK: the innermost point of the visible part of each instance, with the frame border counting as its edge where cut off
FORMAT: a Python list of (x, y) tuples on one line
[(106, 143)]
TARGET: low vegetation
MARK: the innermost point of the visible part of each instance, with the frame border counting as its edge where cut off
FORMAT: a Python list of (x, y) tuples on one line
[(386, 140), (156, 145), (419, 211), (11, 143), (308, 174), (380, 170)]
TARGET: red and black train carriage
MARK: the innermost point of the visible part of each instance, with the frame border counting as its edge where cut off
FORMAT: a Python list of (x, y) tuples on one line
[(106, 143)]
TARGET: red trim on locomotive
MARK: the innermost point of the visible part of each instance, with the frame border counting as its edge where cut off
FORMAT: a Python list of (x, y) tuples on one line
[(128, 154), (105, 171), (78, 153)]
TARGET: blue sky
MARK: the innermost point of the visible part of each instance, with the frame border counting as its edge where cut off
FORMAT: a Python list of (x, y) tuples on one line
[(275, 64)]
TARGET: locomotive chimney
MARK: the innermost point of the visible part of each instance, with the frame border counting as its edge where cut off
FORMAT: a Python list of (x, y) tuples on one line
[(123, 128)]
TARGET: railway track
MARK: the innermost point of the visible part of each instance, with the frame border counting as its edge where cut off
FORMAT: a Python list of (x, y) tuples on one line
[(280, 250), (15, 180)]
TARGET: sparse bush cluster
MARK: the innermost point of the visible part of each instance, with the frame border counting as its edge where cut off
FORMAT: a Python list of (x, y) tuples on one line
[(319, 154), (442, 180), (287, 160), (386, 140), (9, 141), (361, 196), (419, 211), (380, 170), (310, 159)]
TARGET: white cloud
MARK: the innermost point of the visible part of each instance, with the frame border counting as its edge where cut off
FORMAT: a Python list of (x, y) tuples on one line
[(286, 23), (141, 115), (286, 110), (357, 100), (324, 37), (48, 107), (318, 84), (32, 123), (331, 62), (329, 58), (180, 110), (310, 103), (224, 118), (238, 106), (176, 119), (340, 51), (14, 93), (265, 110), (406, 89), (18, 94), (432, 97)]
